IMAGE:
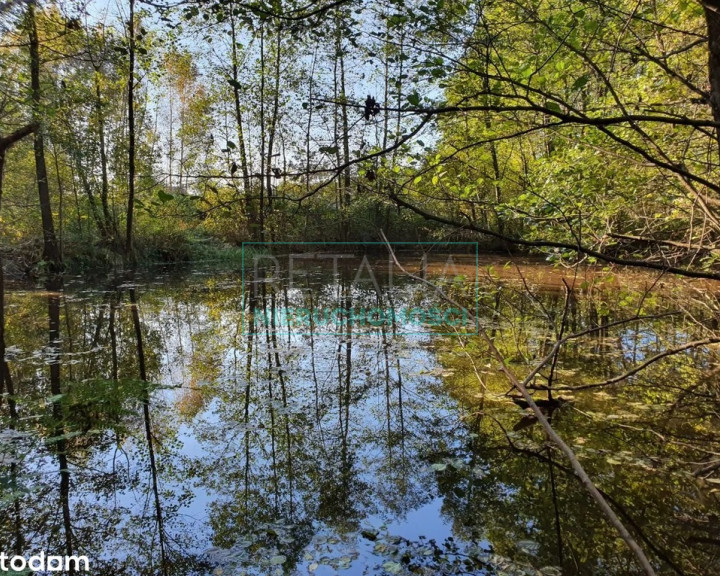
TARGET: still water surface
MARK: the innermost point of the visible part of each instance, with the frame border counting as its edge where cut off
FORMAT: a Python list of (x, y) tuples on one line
[(279, 448)]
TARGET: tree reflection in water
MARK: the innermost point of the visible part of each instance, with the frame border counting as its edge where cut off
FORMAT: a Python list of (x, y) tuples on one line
[(162, 427)]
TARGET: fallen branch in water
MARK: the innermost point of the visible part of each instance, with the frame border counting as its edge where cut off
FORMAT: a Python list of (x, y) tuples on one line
[(625, 375), (542, 419)]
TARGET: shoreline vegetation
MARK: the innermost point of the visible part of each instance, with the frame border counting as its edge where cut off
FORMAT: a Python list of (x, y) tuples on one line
[(165, 133)]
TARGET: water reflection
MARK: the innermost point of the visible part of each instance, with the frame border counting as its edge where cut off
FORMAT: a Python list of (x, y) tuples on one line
[(185, 425)]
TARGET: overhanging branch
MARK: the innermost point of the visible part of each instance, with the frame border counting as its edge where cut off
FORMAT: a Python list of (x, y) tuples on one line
[(578, 248)]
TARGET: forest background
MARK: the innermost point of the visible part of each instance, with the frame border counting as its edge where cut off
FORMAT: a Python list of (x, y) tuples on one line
[(176, 131)]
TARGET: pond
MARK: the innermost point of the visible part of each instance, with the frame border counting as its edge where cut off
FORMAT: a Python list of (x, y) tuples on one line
[(215, 421)]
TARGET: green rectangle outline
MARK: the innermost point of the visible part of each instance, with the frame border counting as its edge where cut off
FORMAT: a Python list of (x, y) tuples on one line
[(477, 280)]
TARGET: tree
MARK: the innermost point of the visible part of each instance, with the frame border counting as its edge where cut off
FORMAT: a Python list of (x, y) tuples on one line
[(51, 248), (129, 254), (606, 122)]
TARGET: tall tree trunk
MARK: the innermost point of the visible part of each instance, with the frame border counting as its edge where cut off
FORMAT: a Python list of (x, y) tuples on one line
[(171, 142), (493, 149), (399, 102), (2, 294), (273, 118), (249, 207), (129, 252), (712, 17), (110, 225), (336, 133), (308, 126), (341, 125), (61, 197), (181, 114), (87, 187), (261, 232), (51, 249), (345, 129)]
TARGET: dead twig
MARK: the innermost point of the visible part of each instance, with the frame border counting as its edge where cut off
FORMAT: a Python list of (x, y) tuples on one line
[(549, 430)]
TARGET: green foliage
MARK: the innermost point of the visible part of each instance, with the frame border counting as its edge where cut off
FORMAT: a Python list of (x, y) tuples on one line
[(518, 146)]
